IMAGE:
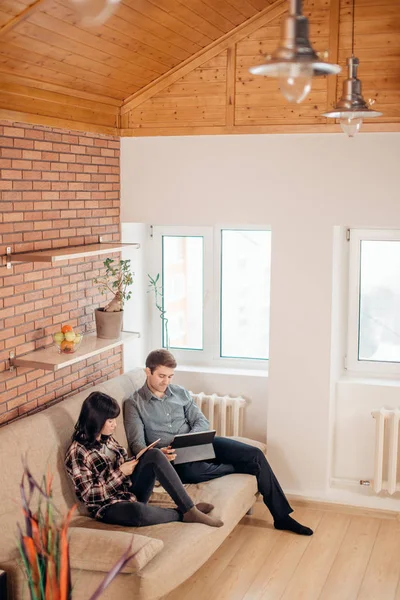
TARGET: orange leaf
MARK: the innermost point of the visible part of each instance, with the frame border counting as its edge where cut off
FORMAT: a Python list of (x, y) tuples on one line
[(64, 566), (64, 559), (67, 519), (36, 535), (52, 591), (32, 560)]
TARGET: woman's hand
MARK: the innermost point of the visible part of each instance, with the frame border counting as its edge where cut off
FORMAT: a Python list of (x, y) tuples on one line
[(128, 467), (169, 453)]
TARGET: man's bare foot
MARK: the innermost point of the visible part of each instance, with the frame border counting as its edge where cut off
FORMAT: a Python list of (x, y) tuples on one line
[(194, 515)]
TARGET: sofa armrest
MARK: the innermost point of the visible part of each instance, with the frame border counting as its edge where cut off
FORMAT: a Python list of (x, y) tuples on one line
[(260, 445), (99, 550)]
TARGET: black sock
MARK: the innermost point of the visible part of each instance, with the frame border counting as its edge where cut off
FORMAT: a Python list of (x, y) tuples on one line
[(289, 524)]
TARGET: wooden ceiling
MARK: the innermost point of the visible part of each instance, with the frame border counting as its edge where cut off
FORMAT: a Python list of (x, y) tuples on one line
[(138, 43), (56, 71)]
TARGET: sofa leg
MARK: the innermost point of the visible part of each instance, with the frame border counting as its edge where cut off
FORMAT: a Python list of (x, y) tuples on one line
[(250, 511)]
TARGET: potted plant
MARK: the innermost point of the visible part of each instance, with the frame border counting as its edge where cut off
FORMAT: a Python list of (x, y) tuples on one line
[(117, 278)]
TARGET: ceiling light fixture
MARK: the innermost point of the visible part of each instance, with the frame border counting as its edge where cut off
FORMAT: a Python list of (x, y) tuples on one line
[(352, 108), (93, 13), (294, 62)]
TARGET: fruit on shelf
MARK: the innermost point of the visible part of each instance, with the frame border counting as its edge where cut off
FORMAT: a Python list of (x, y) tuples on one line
[(58, 337), (70, 336), (66, 340), (66, 346)]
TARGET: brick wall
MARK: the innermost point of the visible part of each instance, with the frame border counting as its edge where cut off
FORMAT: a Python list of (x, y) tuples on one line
[(57, 188)]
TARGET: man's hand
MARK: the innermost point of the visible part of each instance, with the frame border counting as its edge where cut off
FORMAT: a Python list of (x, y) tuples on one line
[(169, 453), (128, 467)]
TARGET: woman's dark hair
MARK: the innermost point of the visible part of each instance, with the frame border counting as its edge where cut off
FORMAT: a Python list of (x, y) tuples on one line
[(95, 411)]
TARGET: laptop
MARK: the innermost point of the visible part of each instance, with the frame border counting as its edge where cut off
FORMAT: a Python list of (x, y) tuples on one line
[(192, 447)]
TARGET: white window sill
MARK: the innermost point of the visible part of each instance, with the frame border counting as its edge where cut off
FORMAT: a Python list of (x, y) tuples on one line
[(222, 371), (362, 379)]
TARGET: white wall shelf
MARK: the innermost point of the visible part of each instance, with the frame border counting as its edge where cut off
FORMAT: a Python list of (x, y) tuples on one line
[(54, 255), (49, 359)]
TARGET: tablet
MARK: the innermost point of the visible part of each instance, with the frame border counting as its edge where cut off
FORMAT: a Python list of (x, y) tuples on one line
[(193, 447)]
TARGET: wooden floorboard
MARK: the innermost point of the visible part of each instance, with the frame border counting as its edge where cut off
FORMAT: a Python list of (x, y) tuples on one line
[(349, 557)]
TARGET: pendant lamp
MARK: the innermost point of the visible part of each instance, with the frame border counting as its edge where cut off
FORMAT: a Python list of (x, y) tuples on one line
[(294, 62), (352, 108), (93, 13)]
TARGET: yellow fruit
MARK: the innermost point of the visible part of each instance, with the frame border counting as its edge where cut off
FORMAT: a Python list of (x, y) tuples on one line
[(58, 337)]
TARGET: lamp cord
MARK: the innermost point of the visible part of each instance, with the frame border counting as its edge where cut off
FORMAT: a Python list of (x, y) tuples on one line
[(352, 29)]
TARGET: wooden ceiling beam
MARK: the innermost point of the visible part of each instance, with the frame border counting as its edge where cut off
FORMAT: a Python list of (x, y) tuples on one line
[(59, 122), (254, 129), (20, 17), (226, 41)]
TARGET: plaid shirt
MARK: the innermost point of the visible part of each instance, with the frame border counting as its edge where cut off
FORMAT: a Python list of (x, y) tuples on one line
[(97, 479)]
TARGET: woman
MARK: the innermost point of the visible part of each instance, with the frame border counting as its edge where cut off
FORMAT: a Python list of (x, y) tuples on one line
[(115, 489)]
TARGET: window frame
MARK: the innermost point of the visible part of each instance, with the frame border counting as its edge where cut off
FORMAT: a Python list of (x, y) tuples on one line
[(210, 355), (352, 363)]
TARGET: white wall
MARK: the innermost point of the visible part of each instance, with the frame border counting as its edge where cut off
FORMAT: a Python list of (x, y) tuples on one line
[(136, 309), (303, 186)]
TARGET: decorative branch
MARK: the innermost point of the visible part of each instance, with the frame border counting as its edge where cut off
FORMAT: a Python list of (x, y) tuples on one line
[(158, 291), (44, 546)]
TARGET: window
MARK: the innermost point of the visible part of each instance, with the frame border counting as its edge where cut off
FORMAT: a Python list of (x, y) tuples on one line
[(182, 274), (245, 275), (374, 302), (216, 286)]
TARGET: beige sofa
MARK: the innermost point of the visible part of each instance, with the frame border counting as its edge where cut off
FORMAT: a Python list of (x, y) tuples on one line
[(167, 555)]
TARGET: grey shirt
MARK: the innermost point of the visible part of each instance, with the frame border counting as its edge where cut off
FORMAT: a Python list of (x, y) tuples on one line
[(148, 418)]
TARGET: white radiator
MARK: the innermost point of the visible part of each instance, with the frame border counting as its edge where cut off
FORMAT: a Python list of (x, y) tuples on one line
[(223, 412), (386, 450)]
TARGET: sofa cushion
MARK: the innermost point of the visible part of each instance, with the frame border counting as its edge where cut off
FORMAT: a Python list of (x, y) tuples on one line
[(96, 550)]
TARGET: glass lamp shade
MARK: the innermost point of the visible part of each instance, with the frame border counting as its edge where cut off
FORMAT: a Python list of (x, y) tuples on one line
[(295, 81), (94, 12), (350, 124)]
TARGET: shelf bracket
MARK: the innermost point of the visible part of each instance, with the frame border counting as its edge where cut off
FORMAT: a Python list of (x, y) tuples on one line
[(8, 257), (7, 262), (11, 357)]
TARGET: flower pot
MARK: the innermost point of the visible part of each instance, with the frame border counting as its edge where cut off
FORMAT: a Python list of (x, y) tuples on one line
[(108, 324)]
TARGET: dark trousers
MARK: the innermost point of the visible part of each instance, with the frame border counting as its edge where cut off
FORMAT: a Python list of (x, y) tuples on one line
[(232, 456), (152, 465)]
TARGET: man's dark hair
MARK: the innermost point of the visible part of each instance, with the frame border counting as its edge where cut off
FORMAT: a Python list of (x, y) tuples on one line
[(160, 358), (95, 411)]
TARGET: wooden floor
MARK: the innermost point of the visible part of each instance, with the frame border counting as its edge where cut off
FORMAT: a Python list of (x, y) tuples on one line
[(350, 557)]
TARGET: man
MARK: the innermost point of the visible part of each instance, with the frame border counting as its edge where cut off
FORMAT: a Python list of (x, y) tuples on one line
[(161, 410)]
